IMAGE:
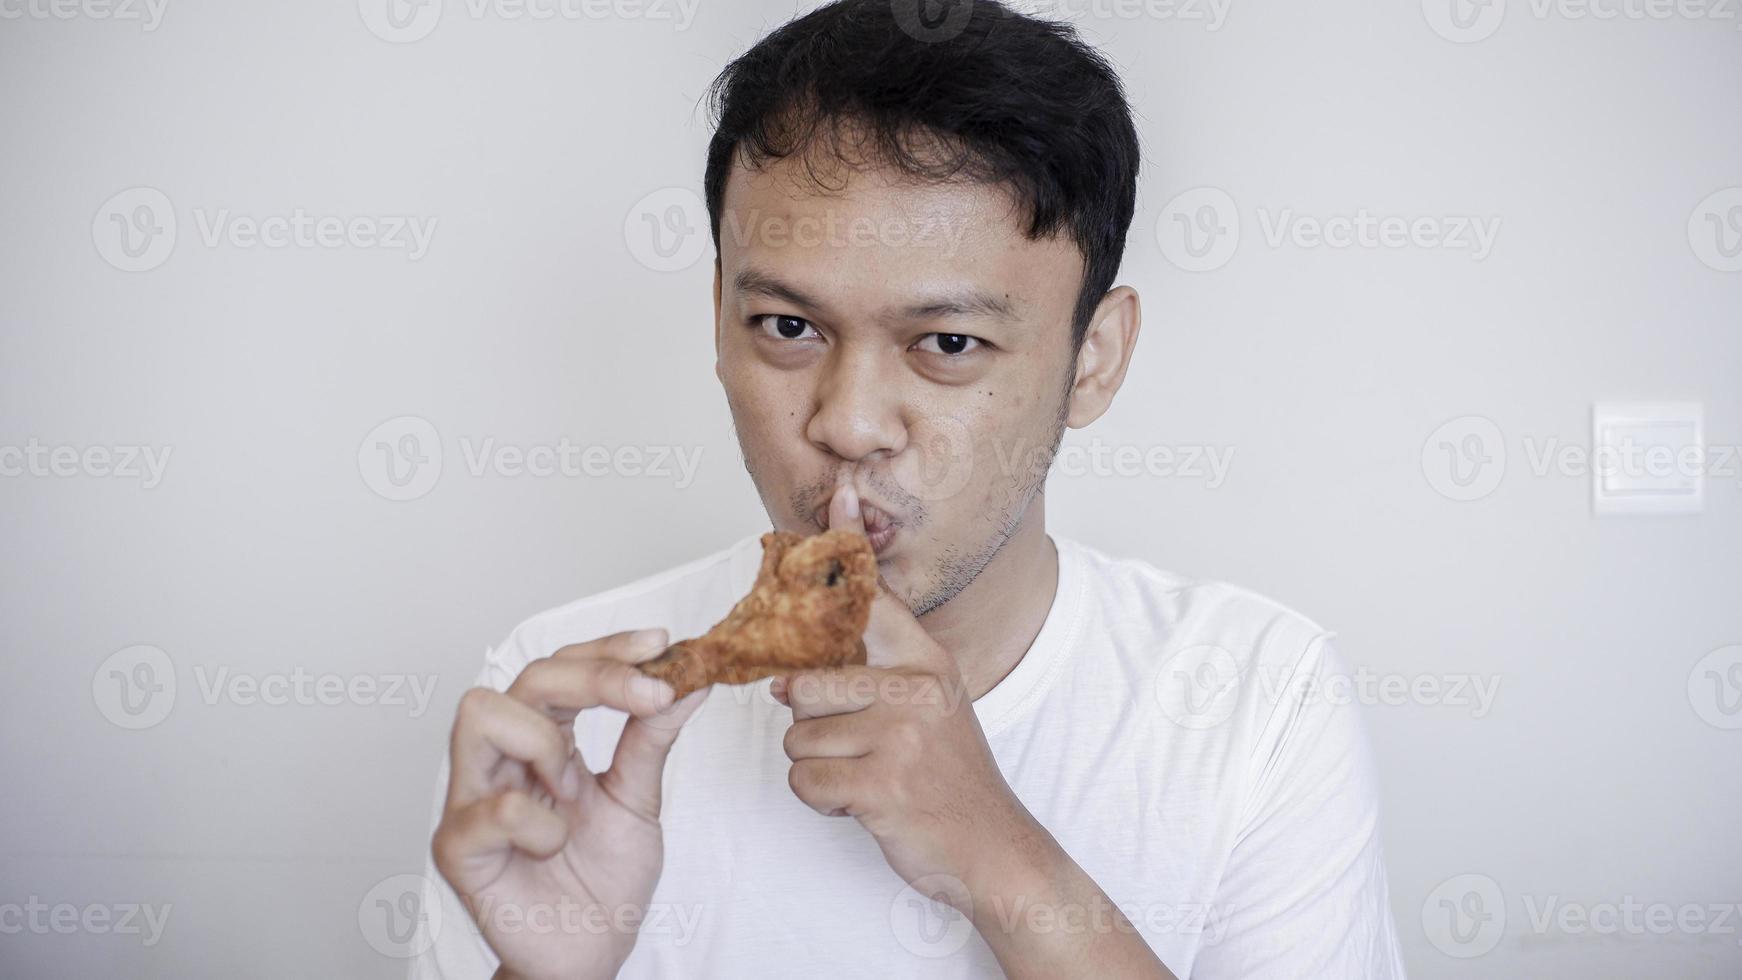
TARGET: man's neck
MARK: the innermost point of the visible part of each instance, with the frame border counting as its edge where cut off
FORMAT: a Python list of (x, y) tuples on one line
[(990, 625)]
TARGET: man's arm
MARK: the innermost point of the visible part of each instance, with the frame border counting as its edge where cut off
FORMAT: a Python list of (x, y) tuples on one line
[(1304, 892)]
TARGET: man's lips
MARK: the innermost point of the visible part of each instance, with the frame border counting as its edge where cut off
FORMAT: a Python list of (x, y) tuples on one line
[(880, 526)]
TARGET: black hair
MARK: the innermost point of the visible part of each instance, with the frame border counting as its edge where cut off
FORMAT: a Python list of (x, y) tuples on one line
[(976, 91)]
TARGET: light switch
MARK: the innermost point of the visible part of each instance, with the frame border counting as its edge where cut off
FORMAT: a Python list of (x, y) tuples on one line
[(1647, 458)]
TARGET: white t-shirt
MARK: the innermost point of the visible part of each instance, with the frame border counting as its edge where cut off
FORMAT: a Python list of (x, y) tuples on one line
[(1183, 741)]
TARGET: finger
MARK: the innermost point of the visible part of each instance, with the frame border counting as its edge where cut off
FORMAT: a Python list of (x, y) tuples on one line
[(844, 510), (630, 647), (638, 765), (846, 736), (825, 785), (820, 693), (777, 690), (893, 638), (562, 687), (491, 726), (473, 842)]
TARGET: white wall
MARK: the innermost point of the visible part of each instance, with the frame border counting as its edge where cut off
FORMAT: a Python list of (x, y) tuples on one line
[(1593, 777)]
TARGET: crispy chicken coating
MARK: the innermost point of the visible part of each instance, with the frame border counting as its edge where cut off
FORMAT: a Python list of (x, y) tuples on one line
[(808, 609)]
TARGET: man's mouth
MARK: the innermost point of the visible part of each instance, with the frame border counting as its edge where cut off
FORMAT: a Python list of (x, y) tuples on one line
[(880, 527)]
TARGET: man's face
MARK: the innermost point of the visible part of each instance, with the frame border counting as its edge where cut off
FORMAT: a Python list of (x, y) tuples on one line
[(902, 335)]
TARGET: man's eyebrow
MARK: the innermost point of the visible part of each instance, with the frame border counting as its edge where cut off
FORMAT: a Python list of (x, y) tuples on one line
[(968, 302), (758, 283)]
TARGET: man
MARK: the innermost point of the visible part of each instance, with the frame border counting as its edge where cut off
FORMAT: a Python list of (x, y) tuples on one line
[(1057, 763)]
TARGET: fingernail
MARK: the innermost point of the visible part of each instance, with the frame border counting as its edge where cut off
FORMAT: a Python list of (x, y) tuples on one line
[(851, 502), (646, 641)]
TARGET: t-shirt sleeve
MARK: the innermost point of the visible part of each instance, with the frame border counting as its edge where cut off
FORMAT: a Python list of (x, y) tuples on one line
[(1304, 890)]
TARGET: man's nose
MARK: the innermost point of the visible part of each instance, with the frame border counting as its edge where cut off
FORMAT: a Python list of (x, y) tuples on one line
[(858, 411)]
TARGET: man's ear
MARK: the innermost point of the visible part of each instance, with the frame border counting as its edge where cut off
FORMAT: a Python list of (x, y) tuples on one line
[(717, 318), (1105, 354)]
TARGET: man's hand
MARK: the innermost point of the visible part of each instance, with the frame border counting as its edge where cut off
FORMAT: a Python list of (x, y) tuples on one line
[(896, 745), (540, 849)]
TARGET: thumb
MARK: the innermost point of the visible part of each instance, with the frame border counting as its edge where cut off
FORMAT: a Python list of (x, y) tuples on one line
[(638, 765)]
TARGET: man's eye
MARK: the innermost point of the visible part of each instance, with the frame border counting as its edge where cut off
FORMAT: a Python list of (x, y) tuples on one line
[(948, 343), (781, 327)]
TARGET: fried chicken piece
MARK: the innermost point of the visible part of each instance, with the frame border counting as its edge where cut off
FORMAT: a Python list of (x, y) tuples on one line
[(808, 609)]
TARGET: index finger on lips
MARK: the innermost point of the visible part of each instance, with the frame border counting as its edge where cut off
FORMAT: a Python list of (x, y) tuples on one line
[(820, 693), (844, 510)]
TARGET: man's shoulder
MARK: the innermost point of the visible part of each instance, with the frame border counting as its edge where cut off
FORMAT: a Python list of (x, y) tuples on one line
[(1186, 612), (685, 599)]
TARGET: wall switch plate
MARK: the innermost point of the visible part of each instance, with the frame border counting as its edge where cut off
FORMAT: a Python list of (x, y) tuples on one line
[(1647, 458)]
